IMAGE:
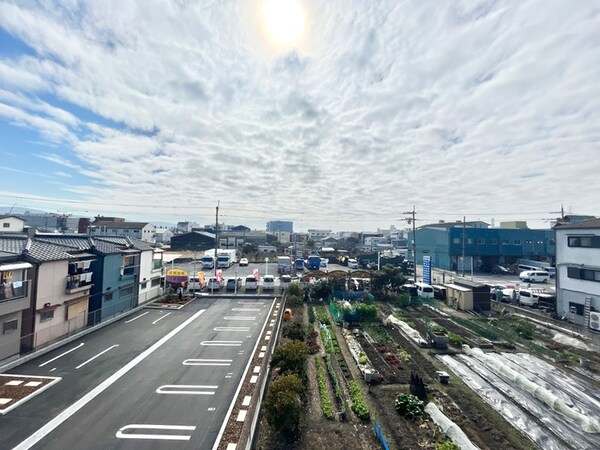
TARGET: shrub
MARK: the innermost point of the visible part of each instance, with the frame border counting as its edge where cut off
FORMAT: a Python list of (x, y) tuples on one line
[(403, 355), (358, 403), (322, 383), (447, 445), (456, 339), (290, 358), (294, 300), (294, 330), (282, 405), (410, 406), (362, 359), (295, 289)]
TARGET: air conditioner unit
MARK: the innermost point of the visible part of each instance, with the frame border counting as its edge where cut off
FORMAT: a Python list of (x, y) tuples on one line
[(46, 305), (595, 320)]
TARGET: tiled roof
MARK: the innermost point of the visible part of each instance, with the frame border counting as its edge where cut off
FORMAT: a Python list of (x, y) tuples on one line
[(106, 248), (125, 241), (43, 251), (11, 243), (6, 216), (594, 223), (119, 225), (79, 241)]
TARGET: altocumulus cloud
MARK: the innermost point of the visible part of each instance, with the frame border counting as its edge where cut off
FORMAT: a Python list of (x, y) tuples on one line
[(452, 106)]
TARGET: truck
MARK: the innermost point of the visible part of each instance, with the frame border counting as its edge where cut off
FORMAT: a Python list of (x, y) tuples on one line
[(284, 264), (314, 262), (299, 264), (208, 260), (226, 258)]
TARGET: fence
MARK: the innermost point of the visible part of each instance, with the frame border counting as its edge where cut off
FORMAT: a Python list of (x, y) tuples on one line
[(380, 435)]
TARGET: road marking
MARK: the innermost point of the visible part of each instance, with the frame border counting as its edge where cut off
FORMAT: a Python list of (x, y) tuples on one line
[(261, 355), (172, 437), (186, 389), (253, 379), (94, 357), (231, 446), (239, 318), (256, 369), (221, 343), (241, 415), (207, 362), (229, 375), (246, 401), (212, 408), (137, 317), (245, 329), (53, 369), (160, 318), (72, 409), (245, 309), (61, 355)]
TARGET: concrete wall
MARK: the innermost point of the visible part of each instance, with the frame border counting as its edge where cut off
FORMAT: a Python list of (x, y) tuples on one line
[(11, 225), (147, 274)]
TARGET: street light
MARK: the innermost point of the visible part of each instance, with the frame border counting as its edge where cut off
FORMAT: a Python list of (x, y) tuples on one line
[(267, 265)]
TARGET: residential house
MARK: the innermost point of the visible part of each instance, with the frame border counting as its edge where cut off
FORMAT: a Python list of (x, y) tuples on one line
[(15, 291), (11, 224), (163, 235), (578, 272), (316, 235)]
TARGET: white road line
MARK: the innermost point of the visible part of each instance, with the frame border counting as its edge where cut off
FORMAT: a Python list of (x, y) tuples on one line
[(245, 309), (186, 389), (94, 357), (239, 318), (207, 362), (221, 343), (231, 329), (160, 318), (52, 370), (137, 317), (171, 437), (72, 409), (61, 355)]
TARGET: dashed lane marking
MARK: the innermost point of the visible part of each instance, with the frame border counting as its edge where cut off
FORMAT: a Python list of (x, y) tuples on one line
[(222, 343), (207, 362), (137, 317), (161, 317), (171, 437), (61, 355), (94, 357), (240, 318), (186, 389), (245, 329)]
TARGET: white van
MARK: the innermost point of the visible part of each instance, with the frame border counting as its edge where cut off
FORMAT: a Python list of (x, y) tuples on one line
[(533, 296), (424, 290), (352, 264), (251, 284), (195, 283), (268, 283), (534, 276)]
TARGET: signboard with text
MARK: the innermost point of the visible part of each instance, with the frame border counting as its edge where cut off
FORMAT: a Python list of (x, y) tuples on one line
[(177, 276), (427, 269)]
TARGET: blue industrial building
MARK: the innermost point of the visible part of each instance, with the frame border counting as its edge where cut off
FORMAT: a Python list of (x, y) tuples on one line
[(280, 225), (485, 246)]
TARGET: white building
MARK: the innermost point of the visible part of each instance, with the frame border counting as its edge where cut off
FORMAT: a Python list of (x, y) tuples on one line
[(317, 235), (163, 236), (283, 237), (578, 272), (11, 224), (139, 230)]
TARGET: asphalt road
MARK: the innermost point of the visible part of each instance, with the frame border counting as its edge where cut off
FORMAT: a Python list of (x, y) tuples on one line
[(172, 372)]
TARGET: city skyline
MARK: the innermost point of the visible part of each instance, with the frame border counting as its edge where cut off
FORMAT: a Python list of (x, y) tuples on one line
[(333, 115)]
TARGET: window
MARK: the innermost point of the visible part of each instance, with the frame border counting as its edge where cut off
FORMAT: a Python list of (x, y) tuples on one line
[(577, 308), (517, 242), (155, 282), (584, 241), (504, 241), (480, 241), (9, 326), (494, 241), (583, 274), (45, 316), (144, 285), (528, 242), (108, 296), (469, 241), (6, 224)]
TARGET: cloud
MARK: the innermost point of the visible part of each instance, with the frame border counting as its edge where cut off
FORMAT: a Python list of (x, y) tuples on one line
[(460, 107)]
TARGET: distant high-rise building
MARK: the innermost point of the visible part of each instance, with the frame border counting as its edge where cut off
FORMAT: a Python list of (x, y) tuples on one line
[(280, 225)]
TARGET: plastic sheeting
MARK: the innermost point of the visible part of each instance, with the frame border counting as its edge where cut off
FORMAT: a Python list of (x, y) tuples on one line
[(407, 329), (449, 428), (548, 405), (570, 341)]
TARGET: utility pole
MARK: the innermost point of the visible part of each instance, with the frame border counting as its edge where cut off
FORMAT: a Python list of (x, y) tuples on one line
[(463, 246), (413, 220)]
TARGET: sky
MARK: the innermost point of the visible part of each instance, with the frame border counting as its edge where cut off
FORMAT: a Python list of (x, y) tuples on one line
[(335, 114)]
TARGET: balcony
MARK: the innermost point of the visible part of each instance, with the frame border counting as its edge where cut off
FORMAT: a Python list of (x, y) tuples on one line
[(79, 282), (13, 290)]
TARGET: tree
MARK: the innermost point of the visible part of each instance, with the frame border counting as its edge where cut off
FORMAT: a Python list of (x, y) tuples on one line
[(294, 330), (295, 289), (283, 405), (321, 289), (389, 278), (290, 358)]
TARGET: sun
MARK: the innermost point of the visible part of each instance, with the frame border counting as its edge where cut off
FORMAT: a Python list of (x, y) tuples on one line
[(283, 21)]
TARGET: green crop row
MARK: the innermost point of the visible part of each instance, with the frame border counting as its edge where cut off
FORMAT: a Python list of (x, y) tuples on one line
[(321, 314), (358, 402), (325, 400)]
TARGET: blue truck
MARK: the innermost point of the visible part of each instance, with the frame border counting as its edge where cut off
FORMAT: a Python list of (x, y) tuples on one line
[(299, 264), (314, 262)]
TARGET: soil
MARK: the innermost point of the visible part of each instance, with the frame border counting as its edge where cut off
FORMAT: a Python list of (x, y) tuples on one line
[(18, 392)]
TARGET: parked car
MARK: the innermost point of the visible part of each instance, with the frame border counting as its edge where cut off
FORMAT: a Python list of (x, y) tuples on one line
[(214, 284), (352, 264), (500, 270), (324, 262), (285, 281), (243, 262), (251, 284), (268, 283), (233, 284)]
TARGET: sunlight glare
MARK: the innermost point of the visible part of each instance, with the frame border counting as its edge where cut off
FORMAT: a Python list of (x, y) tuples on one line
[(283, 21)]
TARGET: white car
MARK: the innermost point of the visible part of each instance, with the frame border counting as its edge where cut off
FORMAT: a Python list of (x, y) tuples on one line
[(244, 262), (324, 262), (268, 283)]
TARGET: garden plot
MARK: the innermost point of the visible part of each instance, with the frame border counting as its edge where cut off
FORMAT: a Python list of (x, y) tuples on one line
[(533, 396)]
